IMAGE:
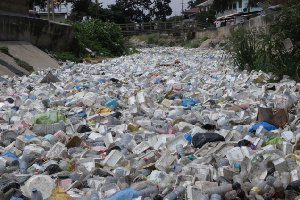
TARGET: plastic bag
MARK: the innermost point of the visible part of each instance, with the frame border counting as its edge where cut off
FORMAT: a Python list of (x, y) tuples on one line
[(200, 139), (266, 125), (126, 194), (101, 173), (295, 185), (274, 140), (50, 117)]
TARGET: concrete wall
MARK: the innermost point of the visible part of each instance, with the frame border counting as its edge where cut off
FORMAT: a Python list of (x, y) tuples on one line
[(39, 32), (225, 31), (15, 6)]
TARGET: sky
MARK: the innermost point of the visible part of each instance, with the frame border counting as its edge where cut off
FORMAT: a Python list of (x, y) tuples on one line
[(175, 5)]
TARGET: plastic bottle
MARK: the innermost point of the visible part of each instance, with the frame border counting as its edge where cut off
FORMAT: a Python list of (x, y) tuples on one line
[(145, 172), (44, 129), (126, 138), (204, 197), (173, 195), (11, 161), (180, 150), (27, 158), (23, 167), (270, 180), (291, 163), (110, 179), (220, 161), (36, 195), (142, 163), (215, 197), (278, 186), (113, 121), (176, 168), (53, 139), (156, 130), (148, 191), (94, 196)]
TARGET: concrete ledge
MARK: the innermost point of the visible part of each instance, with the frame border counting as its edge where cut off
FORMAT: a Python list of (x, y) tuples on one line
[(39, 32)]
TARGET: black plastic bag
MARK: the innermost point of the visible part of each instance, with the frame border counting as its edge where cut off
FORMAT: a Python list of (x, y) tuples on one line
[(7, 184), (83, 129), (295, 185), (243, 143), (52, 169), (200, 139), (114, 80), (117, 115), (209, 127), (101, 173)]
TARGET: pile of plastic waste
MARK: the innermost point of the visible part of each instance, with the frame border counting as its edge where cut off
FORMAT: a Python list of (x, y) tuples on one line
[(167, 123)]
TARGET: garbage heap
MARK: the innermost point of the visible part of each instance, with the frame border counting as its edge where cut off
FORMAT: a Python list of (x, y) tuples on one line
[(167, 123)]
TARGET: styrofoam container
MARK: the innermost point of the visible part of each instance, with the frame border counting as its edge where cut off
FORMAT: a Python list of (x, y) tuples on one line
[(166, 160), (113, 158), (235, 154), (143, 146), (108, 140), (171, 145), (56, 150)]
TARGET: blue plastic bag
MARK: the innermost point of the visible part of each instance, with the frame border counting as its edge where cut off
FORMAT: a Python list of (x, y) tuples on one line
[(187, 102), (10, 154), (266, 125), (126, 194), (188, 137), (112, 102)]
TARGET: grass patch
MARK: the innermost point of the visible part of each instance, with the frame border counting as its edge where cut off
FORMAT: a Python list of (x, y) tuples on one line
[(193, 43), (64, 56), (161, 43), (21, 63), (4, 49), (24, 65)]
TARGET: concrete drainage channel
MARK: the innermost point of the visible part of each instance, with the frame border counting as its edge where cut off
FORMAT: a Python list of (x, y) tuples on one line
[(167, 123), (11, 68)]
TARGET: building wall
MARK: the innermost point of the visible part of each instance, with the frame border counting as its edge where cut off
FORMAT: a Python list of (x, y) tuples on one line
[(39, 32), (225, 32), (15, 6)]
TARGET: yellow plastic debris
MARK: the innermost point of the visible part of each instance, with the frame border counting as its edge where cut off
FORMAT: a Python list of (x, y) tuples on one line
[(103, 110), (60, 194)]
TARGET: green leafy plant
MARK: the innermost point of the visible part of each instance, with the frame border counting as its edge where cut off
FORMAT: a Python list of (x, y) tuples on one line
[(105, 39), (64, 56), (24, 65), (275, 50), (4, 49)]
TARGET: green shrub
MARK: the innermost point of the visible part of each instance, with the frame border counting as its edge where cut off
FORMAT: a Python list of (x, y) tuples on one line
[(161, 43), (152, 38), (64, 56), (266, 50), (103, 38), (4, 49), (24, 65)]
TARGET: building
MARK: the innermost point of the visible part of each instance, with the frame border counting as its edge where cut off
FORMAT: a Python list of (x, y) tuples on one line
[(190, 14), (61, 11), (239, 11), (19, 7), (205, 6)]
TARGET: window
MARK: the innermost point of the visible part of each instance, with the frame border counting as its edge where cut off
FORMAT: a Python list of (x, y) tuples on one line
[(240, 3), (234, 6)]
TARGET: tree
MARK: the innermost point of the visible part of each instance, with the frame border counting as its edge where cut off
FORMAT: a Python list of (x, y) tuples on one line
[(160, 10), (145, 10), (220, 5), (194, 3)]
